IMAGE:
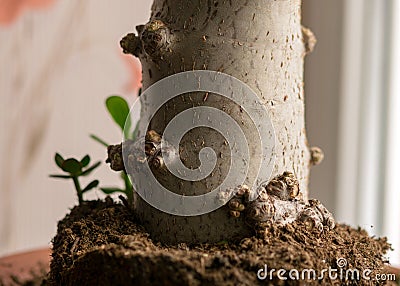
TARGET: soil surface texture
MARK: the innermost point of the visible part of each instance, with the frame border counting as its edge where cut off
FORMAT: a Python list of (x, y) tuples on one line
[(101, 243)]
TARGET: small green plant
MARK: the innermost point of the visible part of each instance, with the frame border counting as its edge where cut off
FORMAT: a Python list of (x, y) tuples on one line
[(76, 169), (118, 108)]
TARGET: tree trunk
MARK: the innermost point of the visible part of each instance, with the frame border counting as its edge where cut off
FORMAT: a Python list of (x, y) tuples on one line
[(261, 43)]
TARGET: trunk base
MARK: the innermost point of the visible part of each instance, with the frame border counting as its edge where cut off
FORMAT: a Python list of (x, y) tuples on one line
[(100, 243)]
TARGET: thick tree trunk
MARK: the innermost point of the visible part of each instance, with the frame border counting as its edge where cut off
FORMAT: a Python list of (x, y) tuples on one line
[(260, 42)]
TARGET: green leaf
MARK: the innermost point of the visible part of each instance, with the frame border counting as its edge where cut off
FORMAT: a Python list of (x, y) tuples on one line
[(119, 111), (98, 140), (72, 166), (109, 191), (91, 185), (89, 170), (60, 176), (85, 161), (59, 160), (127, 181)]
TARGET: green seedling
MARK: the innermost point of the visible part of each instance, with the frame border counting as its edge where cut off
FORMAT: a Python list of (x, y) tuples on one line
[(118, 108), (74, 170), (128, 189)]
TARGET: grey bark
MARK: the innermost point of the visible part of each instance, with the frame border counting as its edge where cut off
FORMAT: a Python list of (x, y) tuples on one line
[(260, 42)]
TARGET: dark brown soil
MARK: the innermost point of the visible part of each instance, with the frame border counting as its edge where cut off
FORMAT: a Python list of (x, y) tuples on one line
[(99, 243)]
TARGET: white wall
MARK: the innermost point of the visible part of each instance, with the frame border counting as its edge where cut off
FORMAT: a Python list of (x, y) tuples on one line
[(57, 67), (322, 90), (367, 151)]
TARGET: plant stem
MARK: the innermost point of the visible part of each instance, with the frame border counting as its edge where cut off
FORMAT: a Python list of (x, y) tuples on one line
[(99, 140), (78, 189), (128, 189)]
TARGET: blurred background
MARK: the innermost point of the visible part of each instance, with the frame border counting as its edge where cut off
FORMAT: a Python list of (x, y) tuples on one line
[(59, 61)]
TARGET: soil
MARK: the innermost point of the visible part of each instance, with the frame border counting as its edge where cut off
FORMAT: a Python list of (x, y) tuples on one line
[(100, 243)]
